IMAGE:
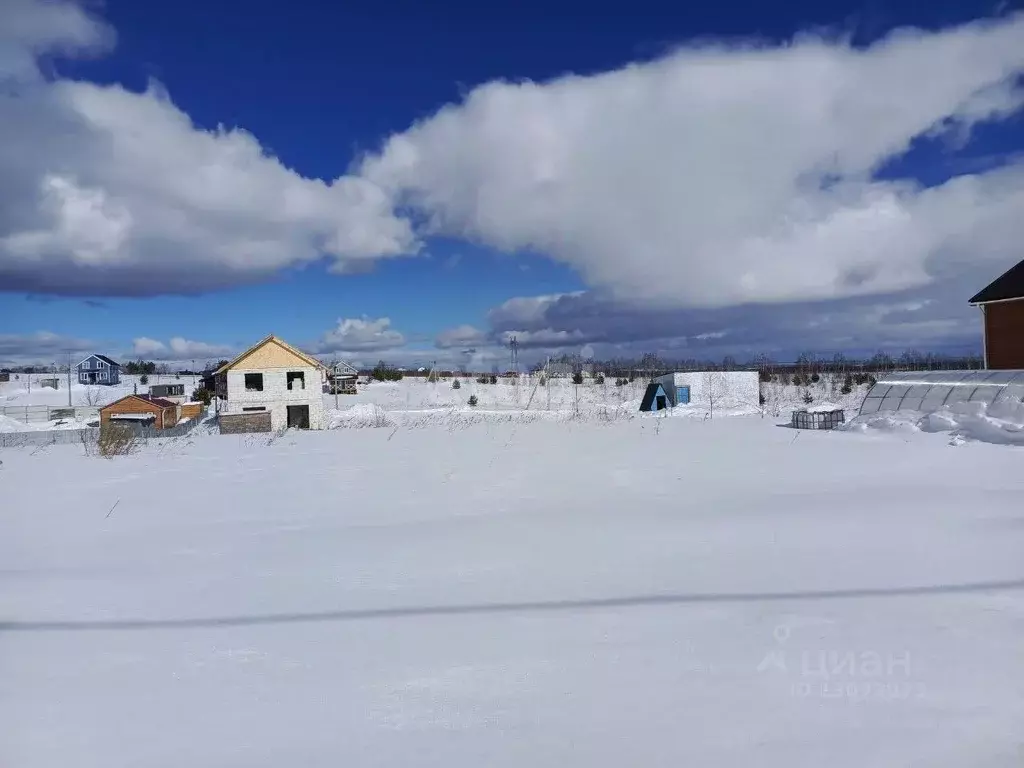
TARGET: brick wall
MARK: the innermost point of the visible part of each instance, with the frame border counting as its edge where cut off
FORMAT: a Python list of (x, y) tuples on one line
[(238, 423), (1004, 334)]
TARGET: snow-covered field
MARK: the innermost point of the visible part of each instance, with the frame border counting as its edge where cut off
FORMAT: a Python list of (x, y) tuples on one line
[(640, 592), (413, 400)]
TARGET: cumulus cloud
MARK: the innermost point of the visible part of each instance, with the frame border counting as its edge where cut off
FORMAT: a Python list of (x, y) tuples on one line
[(360, 335), (178, 348), (108, 191), (724, 174)]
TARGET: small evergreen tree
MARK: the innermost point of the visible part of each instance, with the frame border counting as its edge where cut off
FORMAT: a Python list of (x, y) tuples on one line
[(577, 378), (808, 398), (144, 379), (202, 395), (473, 401), (456, 384)]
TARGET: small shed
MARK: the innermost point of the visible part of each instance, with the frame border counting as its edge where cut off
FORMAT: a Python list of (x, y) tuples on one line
[(51, 383), (141, 410), (174, 392), (655, 398)]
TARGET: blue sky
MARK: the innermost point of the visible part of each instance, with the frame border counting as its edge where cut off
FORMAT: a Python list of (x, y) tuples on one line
[(592, 183)]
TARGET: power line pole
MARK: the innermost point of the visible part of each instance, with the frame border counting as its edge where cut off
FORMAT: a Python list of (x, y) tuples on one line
[(69, 380)]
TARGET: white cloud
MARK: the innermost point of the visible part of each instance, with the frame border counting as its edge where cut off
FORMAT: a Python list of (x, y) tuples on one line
[(720, 175), (361, 335), (108, 191), (460, 336), (178, 349), (147, 347)]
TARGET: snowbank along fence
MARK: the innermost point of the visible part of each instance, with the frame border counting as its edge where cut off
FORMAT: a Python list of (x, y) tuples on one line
[(89, 434), (37, 413)]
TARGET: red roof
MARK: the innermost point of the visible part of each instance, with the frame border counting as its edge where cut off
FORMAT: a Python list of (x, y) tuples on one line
[(159, 401)]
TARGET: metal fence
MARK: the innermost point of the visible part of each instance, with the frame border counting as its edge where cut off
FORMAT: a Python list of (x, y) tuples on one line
[(37, 413), (38, 437)]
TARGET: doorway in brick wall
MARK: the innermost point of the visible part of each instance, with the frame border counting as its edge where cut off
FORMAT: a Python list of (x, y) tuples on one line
[(298, 416)]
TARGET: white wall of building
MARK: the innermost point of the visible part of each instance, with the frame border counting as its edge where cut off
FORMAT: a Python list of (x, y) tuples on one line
[(727, 389), (276, 397)]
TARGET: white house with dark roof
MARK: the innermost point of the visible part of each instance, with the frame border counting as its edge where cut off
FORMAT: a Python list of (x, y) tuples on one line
[(98, 369)]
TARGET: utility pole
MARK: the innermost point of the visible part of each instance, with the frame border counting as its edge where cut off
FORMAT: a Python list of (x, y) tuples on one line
[(69, 379), (514, 347)]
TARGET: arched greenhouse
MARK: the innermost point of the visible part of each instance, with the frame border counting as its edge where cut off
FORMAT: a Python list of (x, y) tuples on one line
[(931, 390)]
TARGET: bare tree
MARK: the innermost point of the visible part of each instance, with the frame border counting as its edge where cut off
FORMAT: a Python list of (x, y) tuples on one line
[(714, 387)]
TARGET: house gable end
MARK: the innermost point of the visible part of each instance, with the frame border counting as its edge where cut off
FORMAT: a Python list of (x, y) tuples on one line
[(270, 353)]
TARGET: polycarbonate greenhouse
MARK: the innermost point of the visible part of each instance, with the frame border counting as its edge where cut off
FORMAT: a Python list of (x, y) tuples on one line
[(930, 390)]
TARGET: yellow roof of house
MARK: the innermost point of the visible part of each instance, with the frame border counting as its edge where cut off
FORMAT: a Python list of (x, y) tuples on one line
[(271, 339)]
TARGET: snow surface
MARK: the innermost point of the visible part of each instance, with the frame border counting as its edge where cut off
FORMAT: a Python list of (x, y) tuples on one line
[(559, 399), (630, 593)]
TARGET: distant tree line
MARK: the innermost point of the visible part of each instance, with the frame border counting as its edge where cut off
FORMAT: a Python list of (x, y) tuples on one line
[(806, 365)]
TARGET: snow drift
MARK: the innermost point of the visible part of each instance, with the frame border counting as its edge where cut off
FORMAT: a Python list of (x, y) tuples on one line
[(1001, 423)]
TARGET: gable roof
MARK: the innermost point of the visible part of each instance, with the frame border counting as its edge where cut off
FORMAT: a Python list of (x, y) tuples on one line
[(271, 339), (1009, 285), (158, 402), (341, 368), (104, 358)]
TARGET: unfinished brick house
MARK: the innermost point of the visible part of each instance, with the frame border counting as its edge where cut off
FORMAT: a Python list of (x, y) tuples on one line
[(270, 386), (1002, 310)]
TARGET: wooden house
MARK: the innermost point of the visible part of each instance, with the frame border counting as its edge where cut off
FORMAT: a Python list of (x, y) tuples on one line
[(98, 369), (1002, 311)]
